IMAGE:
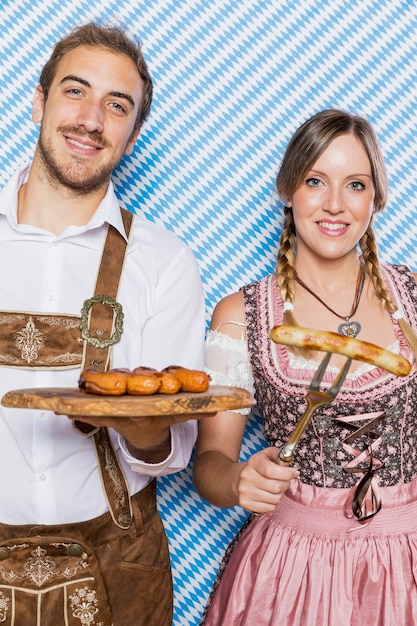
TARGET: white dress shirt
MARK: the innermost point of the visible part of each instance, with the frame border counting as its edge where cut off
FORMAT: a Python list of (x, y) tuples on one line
[(49, 472)]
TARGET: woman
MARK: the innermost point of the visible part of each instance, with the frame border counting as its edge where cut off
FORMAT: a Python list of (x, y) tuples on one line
[(333, 538)]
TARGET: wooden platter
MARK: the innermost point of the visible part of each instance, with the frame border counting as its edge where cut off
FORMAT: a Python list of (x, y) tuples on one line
[(73, 401)]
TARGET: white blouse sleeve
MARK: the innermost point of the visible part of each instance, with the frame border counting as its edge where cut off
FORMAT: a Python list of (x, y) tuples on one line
[(227, 362)]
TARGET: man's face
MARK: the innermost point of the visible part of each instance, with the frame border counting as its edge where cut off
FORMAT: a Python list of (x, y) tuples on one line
[(87, 121)]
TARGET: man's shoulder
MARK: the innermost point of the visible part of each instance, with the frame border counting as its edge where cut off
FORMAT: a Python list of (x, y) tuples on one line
[(155, 237)]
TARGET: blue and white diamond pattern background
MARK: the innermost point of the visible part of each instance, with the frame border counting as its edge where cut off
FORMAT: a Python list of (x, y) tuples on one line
[(233, 80)]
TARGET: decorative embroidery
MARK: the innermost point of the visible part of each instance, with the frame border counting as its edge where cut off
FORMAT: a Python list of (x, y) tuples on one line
[(29, 340), (60, 321), (6, 318), (112, 468), (4, 606), (84, 605), (65, 359), (9, 360), (40, 340), (63, 321), (68, 357), (41, 568)]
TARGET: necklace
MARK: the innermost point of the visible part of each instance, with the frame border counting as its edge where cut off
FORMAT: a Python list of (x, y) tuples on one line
[(349, 328)]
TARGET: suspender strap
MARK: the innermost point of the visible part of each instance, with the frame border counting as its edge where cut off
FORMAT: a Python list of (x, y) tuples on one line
[(101, 327), (113, 480), (101, 315)]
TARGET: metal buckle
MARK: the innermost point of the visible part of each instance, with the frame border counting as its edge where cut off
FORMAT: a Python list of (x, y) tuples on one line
[(118, 321)]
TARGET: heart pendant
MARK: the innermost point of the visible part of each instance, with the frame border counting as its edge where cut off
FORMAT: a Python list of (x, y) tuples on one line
[(349, 329)]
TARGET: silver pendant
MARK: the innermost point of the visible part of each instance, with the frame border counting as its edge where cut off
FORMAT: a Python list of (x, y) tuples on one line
[(349, 329)]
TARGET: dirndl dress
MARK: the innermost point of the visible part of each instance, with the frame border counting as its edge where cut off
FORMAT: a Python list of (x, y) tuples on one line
[(320, 558)]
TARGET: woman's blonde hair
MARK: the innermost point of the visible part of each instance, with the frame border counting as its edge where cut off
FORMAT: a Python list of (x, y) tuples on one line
[(305, 147)]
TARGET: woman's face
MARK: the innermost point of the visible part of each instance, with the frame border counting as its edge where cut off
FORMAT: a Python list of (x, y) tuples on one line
[(334, 203)]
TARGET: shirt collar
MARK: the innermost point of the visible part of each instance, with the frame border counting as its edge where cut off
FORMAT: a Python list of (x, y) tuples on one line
[(108, 210)]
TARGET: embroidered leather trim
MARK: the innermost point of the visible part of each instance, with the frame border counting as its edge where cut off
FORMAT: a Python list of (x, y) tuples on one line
[(4, 606), (41, 340), (32, 340), (84, 605), (40, 568), (114, 480)]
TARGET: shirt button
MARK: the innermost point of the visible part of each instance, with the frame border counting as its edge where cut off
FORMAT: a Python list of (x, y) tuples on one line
[(51, 297), (42, 477), (43, 417)]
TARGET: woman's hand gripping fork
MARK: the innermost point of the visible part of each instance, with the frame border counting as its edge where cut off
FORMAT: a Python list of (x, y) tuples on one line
[(315, 398)]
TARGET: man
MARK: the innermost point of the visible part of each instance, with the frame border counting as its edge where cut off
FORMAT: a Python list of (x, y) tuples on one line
[(74, 548)]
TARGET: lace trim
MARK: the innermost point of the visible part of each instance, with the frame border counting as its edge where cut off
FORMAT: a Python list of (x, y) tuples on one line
[(226, 342), (227, 362)]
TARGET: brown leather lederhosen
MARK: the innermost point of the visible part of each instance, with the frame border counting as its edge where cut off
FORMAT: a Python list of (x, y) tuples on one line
[(113, 570)]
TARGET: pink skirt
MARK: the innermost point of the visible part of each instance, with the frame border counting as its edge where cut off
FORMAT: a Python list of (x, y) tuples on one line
[(308, 564)]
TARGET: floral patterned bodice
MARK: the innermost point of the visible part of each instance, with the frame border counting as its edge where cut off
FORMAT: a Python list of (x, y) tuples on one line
[(332, 444)]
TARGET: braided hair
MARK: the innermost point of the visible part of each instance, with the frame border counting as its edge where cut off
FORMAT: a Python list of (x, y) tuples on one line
[(305, 147)]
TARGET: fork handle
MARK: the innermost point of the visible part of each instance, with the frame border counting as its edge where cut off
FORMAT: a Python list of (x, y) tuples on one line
[(315, 399), (286, 454)]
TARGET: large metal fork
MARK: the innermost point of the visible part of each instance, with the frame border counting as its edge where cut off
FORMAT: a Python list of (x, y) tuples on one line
[(315, 398)]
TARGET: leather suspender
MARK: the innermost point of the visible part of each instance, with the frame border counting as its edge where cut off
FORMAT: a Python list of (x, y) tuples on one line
[(101, 315), (101, 327)]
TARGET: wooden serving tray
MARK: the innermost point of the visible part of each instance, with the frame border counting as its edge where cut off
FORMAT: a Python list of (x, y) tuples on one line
[(73, 401)]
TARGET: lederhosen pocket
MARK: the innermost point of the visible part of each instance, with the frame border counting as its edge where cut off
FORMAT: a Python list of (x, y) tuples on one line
[(88, 573), (113, 570), (51, 580)]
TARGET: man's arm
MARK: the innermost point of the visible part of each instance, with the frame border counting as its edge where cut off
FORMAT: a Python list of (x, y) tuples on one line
[(173, 335)]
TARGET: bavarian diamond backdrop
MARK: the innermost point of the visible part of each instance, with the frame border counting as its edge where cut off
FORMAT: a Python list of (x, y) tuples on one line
[(233, 80)]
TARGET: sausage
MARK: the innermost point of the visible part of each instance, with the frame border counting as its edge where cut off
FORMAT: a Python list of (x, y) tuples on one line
[(167, 382), (327, 341), (111, 383), (143, 381), (144, 384), (191, 380)]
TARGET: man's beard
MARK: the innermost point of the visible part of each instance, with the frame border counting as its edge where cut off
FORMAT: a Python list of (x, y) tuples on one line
[(74, 175)]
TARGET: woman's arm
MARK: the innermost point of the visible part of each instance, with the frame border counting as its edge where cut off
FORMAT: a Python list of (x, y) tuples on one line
[(257, 484)]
